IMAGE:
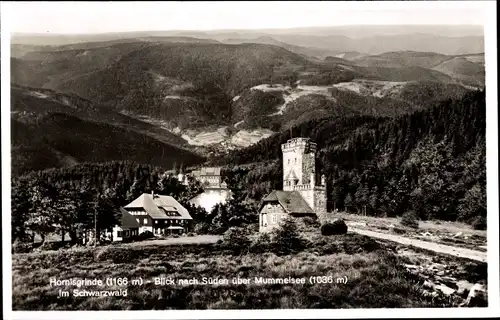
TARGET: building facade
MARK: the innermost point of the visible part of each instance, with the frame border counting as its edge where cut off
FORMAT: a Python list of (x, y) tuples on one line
[(302, 193), (159, 214), (209, 177), (215, 190), (128, 227)]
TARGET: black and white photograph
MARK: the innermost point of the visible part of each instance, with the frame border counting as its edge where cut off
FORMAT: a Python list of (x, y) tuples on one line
[(249, 159)]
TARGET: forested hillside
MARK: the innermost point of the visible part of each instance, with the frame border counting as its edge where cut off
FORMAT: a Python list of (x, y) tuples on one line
[(68, 197), (431, 161), (65, 200), (59, 139), (190, 83), (50, 129)]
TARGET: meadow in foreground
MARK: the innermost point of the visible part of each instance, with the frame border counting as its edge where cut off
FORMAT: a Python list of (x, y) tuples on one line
[(375, 278)]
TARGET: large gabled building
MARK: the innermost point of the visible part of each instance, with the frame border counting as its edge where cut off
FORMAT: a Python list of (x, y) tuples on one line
[(128, 227), (301, 194), (162, 215)]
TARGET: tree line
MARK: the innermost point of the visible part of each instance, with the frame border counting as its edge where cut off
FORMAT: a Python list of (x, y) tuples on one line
[(432, 161), (87, 198)]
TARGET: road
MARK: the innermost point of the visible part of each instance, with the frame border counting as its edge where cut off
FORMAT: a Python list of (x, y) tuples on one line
[(439, 248)]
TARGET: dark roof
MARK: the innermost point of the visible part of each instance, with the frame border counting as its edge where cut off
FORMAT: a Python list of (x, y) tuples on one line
[(128, 221), (158, 206), (291, 201)]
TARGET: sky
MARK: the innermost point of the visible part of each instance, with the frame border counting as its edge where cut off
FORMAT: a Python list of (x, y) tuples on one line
[(102, 17)]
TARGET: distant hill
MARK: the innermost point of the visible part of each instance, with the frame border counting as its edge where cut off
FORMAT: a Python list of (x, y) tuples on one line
[(214, 96), (368, 39), (347, 55), (42, 39), (306, 51), (466, 69), (463, 70), (29, 104), (399, 59), (50, 133), (377, 44), (192, 83)]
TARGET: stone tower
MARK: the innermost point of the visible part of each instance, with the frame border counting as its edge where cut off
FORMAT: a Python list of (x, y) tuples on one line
[(299, 173)]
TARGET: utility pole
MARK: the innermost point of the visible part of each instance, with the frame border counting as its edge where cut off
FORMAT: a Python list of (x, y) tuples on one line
[(96, 203), (95, 226)]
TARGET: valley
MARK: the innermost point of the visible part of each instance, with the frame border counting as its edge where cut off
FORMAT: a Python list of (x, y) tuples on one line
[(388, 127), (212, 97)]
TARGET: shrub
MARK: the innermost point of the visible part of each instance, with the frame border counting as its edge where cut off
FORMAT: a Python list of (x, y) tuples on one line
[(21, 247), (50, 246), (312, 222), (409, 219), (130, 239), (117, 255), (261, 244), (145, 235), (236, 239), (202, 228), (251, 228), (399, 230), (479, 223), (286, 239), (338, 226)]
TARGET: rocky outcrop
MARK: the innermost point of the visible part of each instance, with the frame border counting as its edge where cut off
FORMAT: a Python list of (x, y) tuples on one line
[(464, 283)]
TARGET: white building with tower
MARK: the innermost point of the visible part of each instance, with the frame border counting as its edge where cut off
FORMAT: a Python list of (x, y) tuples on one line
[(302, 195)]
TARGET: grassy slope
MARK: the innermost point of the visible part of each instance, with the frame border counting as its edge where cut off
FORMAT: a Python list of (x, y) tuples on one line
[(375, 278)]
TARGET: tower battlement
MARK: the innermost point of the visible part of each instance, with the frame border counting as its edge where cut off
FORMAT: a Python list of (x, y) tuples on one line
[(304, 144)]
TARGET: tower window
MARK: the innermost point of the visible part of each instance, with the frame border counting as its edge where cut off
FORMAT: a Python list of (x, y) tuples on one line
[(295, 160), (288, 161)]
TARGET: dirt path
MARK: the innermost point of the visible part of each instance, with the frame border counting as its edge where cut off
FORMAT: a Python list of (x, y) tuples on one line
[(439, 248)]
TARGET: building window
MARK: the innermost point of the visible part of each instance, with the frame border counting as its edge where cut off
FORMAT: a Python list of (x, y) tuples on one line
[(156, 221), (274, 218), (288, 161), (295, 160), (120, 234), (145, 220), (137, 220)]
